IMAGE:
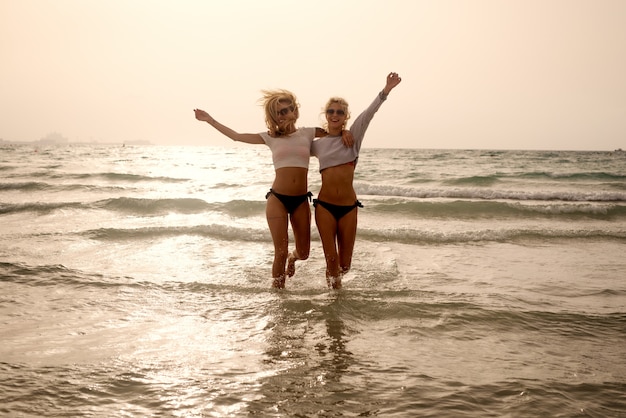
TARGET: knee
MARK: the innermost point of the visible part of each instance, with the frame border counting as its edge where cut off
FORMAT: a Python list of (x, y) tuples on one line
[(303, 247), (302, 254)]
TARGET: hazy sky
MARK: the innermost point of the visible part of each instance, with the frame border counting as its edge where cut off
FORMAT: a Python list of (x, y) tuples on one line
[(496, 74)]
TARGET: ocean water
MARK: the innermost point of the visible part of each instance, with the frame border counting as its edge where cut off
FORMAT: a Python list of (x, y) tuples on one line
[(135, 281)]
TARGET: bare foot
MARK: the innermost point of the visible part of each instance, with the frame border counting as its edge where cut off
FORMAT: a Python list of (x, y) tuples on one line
[(337, 284), (279, 282), (333, 282), (291, 265)]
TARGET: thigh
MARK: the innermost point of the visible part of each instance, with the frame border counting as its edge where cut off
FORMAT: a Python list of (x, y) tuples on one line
[(301, 225), (277, 220), (346, 237), (327, 228)]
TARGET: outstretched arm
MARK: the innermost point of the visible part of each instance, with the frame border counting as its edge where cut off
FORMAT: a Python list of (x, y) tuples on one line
[(360, 124), (393, 79), (203, 116)]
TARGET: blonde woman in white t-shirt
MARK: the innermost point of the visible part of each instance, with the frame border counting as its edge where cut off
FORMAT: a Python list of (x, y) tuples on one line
[(336, 204)]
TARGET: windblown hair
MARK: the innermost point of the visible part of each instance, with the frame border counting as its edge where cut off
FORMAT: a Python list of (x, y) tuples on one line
[(341, 102), (271, 99)]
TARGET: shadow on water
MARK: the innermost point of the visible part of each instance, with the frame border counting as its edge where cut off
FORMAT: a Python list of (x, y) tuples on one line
[(314, 371)]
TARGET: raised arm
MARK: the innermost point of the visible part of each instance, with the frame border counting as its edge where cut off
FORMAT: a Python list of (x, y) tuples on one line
[(393, 79), (203, 116), (360, 124)]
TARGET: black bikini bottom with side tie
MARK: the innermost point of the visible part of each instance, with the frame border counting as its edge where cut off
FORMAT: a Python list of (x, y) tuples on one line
[(291, 203), (338, 211)]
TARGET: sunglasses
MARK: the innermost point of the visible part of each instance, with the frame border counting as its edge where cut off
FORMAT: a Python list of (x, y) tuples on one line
[(339, 112), (285, 111)]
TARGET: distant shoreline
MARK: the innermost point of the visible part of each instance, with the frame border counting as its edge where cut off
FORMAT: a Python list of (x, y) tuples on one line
[(41, 142), (45, 142)]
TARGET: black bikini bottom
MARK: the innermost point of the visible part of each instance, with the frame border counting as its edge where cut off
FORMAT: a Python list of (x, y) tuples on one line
[(338, 211), (291, 203)]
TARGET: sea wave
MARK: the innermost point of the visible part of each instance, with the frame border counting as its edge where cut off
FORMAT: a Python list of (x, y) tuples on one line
[(139, 206), (37, 186), (25, 186), (57, 274), (99, 177), (416, 209), (117, 177), (400, 235), (143, 206), (220, 232), (38, 207), (472, 209), (44, 275), (154, 206), (489, 193), (569, 178), (485, 181), (416, 236), (587, 176), (453, 316)]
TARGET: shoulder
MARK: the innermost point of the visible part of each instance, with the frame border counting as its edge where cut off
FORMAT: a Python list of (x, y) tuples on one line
[(304, 133), (267, 138), (307, 131)]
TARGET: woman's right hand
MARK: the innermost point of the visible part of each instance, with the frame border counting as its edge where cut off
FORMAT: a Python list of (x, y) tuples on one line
[(347, 138), (203, 116)]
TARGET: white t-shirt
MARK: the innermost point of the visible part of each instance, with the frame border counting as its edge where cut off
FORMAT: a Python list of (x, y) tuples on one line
[(292, 150)]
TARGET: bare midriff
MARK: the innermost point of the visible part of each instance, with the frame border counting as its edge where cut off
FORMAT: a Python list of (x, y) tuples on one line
[(337, 185), (291, 181)]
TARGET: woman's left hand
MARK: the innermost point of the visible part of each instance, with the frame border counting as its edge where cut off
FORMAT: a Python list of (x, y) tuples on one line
[(393, 79)]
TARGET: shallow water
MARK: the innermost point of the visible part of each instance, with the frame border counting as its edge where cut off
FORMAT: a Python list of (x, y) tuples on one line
[(135, 282)]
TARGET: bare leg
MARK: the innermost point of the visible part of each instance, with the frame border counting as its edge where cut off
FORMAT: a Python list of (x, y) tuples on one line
[(277, 221), (301, 226), (327, 227), (346, 236)]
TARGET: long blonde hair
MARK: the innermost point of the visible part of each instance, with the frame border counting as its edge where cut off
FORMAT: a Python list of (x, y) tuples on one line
[(270, 101), (341, 102)]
